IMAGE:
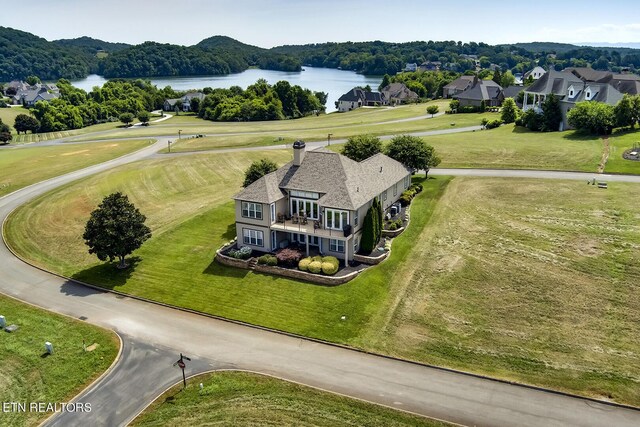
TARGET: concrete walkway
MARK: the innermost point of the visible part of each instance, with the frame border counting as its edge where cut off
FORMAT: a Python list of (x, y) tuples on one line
[(154, 335)]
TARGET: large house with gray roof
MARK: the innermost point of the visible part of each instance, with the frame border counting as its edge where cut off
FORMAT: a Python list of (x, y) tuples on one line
[(318, 200), (28, 95), (570, 89), (358, 97)]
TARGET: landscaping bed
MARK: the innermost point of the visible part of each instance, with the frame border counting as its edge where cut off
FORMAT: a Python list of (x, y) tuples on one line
[(290, 262)]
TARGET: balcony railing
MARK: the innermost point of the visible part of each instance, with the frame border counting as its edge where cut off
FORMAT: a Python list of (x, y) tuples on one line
[(311, 227)]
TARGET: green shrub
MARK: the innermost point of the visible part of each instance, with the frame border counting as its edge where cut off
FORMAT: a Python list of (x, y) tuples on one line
[(263, 259), (272, 261), (304, 264), (392, 226), (317, 258), (404, 200), (493, 124), (329, 268), (315, 267), (331, 259), (399, 223)]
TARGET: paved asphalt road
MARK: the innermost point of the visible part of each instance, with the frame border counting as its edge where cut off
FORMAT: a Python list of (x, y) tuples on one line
[(154, 335)]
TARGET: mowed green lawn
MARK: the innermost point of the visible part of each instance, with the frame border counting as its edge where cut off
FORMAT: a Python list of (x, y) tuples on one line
[(24, 166), (244, 399), (619, 143), (509, 147), (27, 375), (532, 281)]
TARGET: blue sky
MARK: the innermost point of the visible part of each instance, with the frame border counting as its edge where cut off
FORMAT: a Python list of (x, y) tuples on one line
[(269, 23)]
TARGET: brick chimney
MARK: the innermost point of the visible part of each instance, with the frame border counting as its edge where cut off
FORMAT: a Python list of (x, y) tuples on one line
[(298, 152)]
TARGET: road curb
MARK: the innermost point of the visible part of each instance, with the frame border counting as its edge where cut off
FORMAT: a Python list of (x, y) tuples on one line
[(213, 371)]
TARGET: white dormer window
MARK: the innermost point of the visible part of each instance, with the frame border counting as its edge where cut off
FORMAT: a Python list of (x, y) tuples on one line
[(587, 94), (571, 91)]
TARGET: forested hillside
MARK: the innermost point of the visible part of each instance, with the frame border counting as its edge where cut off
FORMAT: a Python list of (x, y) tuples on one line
[(22, 54)]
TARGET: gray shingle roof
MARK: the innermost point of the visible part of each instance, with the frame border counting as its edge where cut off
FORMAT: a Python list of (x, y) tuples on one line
[(483, 90), (354, 95), (461, 83), (556, 82), (399, 91), (341, 182)]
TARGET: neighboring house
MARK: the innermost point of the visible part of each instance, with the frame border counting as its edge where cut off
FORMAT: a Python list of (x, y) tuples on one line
[(519, 79), (536, 73), (410, 67), (624, 83), (570, 89), (28, 95), (170, 104), (399, 93), (481, 90), (357, 98), (333, 191), (513, 92), (457, 86), (430, 66)]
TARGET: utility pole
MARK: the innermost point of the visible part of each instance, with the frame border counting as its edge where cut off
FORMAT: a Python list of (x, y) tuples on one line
[(182, 365), (179, 133), (329, 138)]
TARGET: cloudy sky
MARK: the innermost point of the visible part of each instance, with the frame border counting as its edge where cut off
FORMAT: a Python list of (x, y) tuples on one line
[(270, 23)]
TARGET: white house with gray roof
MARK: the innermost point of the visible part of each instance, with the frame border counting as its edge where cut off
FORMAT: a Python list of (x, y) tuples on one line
[(318, 200)]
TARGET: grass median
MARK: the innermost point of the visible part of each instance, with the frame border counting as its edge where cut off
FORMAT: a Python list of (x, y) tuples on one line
[(28, 375), (245, 399)]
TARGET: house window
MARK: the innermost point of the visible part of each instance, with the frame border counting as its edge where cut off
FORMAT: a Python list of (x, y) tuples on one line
[(395, 190), (384, 195), (308, 207), (252, 210), (335, 219), (356, 217), (273, 213), (252, 237), (356, 245), (336, 245)]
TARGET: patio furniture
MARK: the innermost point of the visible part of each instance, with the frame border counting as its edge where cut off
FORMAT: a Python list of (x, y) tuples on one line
[(304, 219), (280, 218), (295, 219), (316, 225)]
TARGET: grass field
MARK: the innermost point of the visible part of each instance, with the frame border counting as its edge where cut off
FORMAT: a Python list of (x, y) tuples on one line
[(509, 147), (532, 281), (23, 166), (244, 399), (619, 143), (26, 375)]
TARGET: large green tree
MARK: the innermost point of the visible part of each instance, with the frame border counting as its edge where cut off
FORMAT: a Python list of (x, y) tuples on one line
[(627, 111), (362, 147), (413, 152), (25, 122), (115, 229), (126, 118), (592, 117), (257, 170)]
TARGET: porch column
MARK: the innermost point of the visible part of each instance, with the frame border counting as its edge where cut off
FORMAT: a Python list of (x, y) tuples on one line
[(307, 243), (524, 102)]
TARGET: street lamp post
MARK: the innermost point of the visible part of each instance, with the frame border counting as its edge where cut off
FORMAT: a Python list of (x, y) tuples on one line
[(179, 132)]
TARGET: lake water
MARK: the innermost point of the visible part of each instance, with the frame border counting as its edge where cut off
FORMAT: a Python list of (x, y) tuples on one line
[(334, 82)]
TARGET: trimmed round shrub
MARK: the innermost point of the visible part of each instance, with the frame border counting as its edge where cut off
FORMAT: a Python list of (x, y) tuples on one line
[(331, 259), (289, 257), (329, 268), (405, 200), (315, 267), (304, 264), (393, 226), (263, 259), (272, 261), (317, 258)]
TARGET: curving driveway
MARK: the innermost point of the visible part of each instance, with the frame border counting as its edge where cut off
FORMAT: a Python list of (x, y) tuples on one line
[(153, 336)]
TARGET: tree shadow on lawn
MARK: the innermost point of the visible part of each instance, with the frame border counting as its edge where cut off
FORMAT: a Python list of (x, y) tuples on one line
[(216, 269), (107, 275)]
